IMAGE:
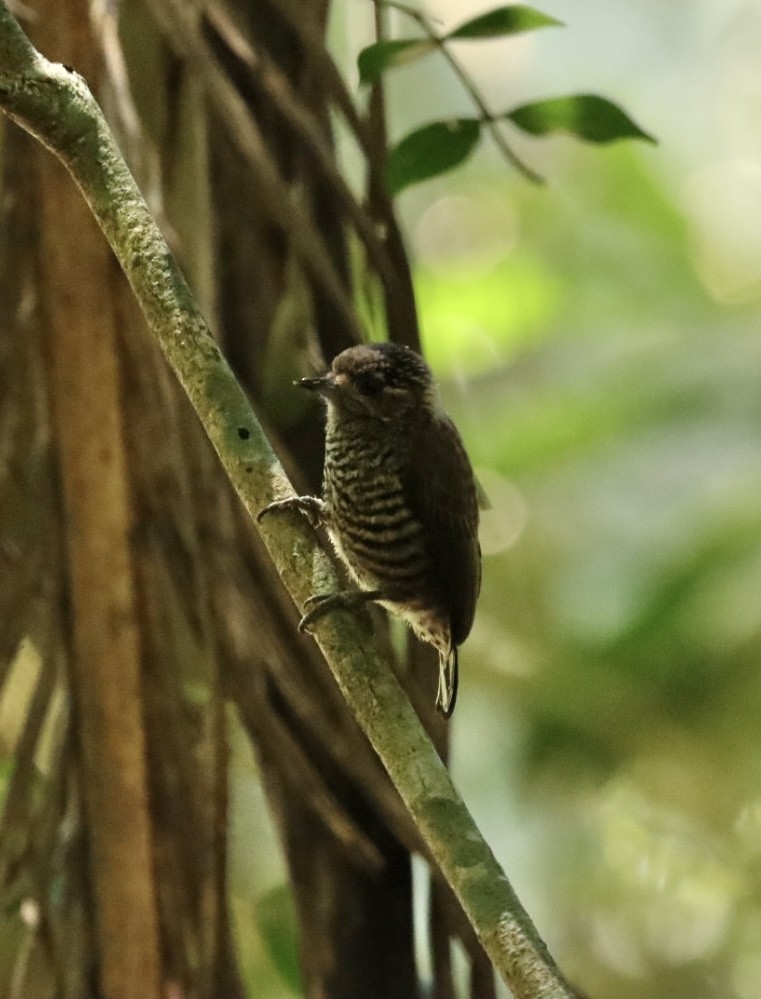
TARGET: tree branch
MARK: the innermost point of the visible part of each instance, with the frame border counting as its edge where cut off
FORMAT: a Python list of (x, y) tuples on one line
[(54, 104)]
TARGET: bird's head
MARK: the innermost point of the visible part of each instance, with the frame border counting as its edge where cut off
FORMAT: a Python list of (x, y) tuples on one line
[(382, 380)]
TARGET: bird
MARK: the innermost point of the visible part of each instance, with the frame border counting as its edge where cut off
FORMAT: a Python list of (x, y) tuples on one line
[(399, 500)]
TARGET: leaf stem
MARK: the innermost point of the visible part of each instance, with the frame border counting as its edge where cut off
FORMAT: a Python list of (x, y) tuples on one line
[(486, 115)]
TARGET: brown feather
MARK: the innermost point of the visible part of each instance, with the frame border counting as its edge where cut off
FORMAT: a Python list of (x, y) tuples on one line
[(441, 491)]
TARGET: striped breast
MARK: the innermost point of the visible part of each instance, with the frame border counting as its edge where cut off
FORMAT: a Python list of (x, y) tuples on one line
[(369, 520)]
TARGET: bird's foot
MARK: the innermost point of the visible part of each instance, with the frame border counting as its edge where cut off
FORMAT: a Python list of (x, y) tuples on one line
[(312, 507), (323, 603)]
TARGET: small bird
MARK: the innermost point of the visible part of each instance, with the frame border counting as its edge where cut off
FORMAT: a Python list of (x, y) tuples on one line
[(399, 500)]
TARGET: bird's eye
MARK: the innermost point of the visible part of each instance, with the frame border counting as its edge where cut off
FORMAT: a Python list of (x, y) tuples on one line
[(369, 383)]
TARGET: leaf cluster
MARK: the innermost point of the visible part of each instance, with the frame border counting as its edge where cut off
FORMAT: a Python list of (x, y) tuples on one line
[(439, 146)]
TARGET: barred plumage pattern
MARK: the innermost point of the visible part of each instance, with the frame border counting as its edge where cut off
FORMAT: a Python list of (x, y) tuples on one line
[(399, 500), (369, 519)]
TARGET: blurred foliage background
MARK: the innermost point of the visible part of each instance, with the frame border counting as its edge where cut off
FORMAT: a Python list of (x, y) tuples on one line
[(598, 341), (601, 349)]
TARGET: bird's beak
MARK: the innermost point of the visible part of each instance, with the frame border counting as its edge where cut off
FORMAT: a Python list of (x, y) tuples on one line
[(321, 383)]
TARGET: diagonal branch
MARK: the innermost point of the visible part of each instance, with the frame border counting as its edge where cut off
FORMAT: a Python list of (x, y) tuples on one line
[(54, 104)]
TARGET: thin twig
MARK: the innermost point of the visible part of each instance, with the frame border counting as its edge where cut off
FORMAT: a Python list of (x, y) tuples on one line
[(178, 22), (487, 116), (279, 90)]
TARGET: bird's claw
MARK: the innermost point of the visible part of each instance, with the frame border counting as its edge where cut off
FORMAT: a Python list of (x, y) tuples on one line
[(310, 506), (321, 603), (317, 604)]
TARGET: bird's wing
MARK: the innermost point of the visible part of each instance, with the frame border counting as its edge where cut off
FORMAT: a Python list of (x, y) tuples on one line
[(441, 491)]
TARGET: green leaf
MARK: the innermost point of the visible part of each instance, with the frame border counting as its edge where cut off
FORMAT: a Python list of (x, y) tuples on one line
[(373, 60), (276, 919), (504, 21), (584, 115), (430, 151)]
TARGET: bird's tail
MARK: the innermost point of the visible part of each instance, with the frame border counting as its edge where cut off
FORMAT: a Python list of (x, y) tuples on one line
[(446, 695)]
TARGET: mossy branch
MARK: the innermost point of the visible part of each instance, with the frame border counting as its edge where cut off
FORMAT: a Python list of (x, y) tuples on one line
[(53, 103)]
